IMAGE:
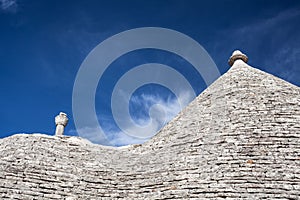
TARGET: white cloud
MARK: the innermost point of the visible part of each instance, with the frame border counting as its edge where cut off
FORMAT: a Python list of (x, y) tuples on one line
[(171, 107), (122, 139), (116, 138), (9, 6)]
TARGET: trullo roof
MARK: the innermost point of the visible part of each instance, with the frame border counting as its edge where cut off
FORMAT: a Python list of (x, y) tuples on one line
[(240, 138)]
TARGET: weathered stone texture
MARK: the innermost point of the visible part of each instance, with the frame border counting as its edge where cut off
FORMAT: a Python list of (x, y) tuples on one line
[(238, 139)]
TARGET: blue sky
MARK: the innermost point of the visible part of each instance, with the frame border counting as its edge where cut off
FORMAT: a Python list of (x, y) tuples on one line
[(43, 43)]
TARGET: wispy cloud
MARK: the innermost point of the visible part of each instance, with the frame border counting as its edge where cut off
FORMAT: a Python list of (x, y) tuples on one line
[(170, 107), (269, 23), (264, 31), (288, 58), (10, 6)]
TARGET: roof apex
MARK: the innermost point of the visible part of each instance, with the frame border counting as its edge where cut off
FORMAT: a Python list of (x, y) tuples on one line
[(237, 55)]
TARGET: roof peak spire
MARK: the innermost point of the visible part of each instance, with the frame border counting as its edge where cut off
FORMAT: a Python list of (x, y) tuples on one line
[(237, 55)]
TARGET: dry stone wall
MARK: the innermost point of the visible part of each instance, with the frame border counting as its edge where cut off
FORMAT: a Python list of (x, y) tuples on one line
[(238, 140)]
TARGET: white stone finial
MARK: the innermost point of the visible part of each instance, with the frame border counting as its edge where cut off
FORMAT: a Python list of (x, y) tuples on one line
[(237, 55), (61, 121)]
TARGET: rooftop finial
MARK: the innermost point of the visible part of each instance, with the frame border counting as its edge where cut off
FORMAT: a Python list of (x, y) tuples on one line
[(237, 55), (61, 121)]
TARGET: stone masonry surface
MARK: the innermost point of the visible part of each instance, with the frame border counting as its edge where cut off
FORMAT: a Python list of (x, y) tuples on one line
[(239, 139)]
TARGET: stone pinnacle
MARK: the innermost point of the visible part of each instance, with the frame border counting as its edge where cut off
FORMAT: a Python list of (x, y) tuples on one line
[(237, 55), (61, 121)]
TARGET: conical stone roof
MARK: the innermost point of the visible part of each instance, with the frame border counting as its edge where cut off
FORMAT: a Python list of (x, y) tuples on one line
[(238, 139)]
